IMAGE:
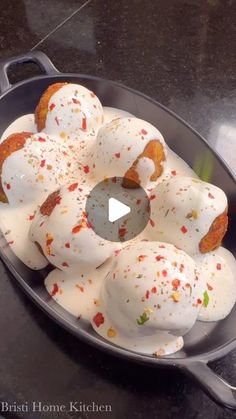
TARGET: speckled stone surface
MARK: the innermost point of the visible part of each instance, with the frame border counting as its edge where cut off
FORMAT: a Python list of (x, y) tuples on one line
[(181, 53)]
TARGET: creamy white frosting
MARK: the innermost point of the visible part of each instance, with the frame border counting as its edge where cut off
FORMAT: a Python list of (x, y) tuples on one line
[(118, 145), (74, 113), (183, 209), (23, 123), (152, 288), (113, 113), (15, 223), (218, 269), (40, 167), (67, 239)]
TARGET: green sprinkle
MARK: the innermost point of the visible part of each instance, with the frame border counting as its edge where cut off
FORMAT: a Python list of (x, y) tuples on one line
[(205, 299), (142, 319)]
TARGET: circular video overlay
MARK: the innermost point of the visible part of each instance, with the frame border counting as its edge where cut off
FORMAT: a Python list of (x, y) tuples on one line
[(118, 209)]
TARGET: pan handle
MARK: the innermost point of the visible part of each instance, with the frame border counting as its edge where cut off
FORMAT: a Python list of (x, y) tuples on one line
[(218, 389), (36, 57)]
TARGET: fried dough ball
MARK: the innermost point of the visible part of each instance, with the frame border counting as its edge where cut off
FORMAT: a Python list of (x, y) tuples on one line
[(42, 107), (11, 144)]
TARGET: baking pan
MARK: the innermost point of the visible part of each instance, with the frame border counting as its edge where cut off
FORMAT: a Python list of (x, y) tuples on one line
[(206, 341)]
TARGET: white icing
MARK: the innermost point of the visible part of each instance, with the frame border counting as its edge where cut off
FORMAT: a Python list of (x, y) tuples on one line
[(218, 269), (77, 293), (174, 201), (113, 113), (40, 167), (118, 145), (74, 113), (153, 278), (75, 247), (15, 224), (23, 123)]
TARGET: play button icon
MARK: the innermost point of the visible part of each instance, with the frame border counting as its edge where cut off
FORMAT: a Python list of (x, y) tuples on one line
[(117, 213), (117, 209)]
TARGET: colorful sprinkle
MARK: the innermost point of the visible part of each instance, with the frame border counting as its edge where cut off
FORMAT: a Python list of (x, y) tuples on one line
[(98, 319), (184, 229)]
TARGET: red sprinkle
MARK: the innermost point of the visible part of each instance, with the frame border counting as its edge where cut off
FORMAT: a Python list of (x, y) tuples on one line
[(65, 264), (41, 140), (76, 101), (8, 186), (173, 172), (86, 169), (199, 301), (67, 245), (117, 155), (76, 229), (176, 283), (98, 319), (84, 123), (143, 131), (152, 222), (152, 197), (211, 196), (55, 289), (184, 229), (72, 187), (42, 163), (154, 290), (31, 217), (147, 294), (122, 232), (164, 272), (218, 266), (159, 257), (52, 106)]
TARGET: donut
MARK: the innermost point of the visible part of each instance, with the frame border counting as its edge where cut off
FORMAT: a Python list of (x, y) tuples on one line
[(150, 298)]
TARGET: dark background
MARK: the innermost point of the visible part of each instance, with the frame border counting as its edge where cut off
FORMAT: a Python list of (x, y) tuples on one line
[(182, 53)]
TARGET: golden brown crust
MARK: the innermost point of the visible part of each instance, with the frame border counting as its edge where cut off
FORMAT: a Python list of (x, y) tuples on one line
[(48, 206), (154, 150), (42, 107), (212, 240), (11, 144)]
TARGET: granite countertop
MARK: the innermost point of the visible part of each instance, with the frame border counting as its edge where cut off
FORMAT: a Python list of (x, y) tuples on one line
[(182, 53)]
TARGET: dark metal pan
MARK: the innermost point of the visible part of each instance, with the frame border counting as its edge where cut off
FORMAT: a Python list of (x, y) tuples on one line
[(206, 341)]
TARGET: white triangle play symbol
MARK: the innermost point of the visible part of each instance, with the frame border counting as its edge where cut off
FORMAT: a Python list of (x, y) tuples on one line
[(116, 209)]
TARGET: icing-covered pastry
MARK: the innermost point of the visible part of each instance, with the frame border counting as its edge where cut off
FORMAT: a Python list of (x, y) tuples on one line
[(130, 148), (150, 298), (218, 269), (62, 231), (70, 111), (188, 213), (33, 165), (15, 223)]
